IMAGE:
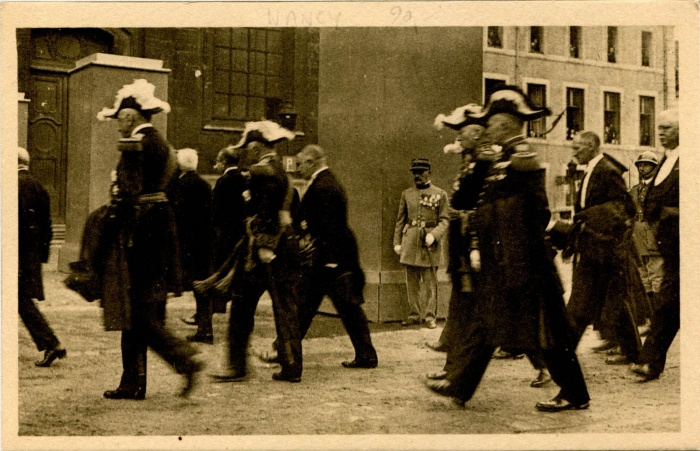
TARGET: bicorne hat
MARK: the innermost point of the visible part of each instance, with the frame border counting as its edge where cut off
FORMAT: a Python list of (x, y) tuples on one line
[(266, 132), (420, 164), (139, 96), (511, 100), (647, 157), (460, 117)]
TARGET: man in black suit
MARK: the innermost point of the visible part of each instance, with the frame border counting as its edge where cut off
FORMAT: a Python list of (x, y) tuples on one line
[(603, 216), (268, 260), (33, 249), (335, 262), (191, 198), (661, 210), (140, 246)]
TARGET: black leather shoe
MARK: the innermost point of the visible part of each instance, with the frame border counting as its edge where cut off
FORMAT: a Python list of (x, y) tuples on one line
[(441, 387), (360, 363), (605, 346), (644, 372), (501, 355), (229, 376), (437, 346), (50, 355), (191, 321), (285, 377), (138, 394), (191, 378), (438, 375), (557, 404), (411, 322), (201, 338), (542, 379), (618, 359)]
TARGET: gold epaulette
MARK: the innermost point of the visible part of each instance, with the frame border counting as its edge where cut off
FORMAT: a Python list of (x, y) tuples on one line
[(525, 159), (130, 144)]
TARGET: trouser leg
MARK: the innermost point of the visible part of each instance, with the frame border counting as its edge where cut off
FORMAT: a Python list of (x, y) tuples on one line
[(241, 320), (134, 360), (413, 290), (204, 313), (588, 289), (455, 325), (431, 287), (311, 292), (536, 359), (284, 294), (175, 351), (664, 325), (566, 372), (36, 324), (474, 364), (627, 334)]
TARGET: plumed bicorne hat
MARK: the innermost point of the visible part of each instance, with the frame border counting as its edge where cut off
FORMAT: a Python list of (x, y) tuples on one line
[(139, 96), (266, 132), (511, 100), (460, 117)]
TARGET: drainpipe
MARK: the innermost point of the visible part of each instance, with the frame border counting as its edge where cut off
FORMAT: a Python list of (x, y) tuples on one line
[(665, 66), (516, 75)]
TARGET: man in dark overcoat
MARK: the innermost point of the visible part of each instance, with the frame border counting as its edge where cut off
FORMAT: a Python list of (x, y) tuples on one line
[(518, 294), (191, 198), (334, 268), (604, 211), (140, 243), (268, 260), (662, 212), (34, 233)]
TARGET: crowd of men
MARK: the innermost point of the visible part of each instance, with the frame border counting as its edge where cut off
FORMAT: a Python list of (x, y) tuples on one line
[(166, 231)]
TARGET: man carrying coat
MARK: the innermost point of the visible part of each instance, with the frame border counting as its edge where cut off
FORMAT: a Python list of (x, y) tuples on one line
[(422, 221)]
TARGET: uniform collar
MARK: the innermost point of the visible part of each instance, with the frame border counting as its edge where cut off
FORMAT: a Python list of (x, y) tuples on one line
[(138, 128), (315, 174), (230, 168)]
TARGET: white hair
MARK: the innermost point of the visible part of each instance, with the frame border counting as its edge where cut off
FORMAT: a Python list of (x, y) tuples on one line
[(187, 159), (22, 156), (670, 115)]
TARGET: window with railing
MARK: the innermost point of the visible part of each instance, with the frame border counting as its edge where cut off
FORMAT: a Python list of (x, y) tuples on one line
[(575, 42), (611, 118), (647, 108), (537, 94), (574, 112)]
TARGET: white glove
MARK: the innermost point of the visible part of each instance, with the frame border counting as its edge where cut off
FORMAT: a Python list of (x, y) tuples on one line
[(397, 249), (475, 260), (429, 239), (266, 255)]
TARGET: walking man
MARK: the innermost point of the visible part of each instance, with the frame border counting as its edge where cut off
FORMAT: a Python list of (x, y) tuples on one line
[(34, 233), (421, 223)]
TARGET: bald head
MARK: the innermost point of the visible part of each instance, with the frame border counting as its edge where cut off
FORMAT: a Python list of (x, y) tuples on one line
[(22, 156), (586, 146), (311, 159), (187, 159)]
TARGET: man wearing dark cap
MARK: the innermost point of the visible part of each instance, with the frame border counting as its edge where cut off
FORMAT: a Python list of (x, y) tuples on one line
[(140, 246), (519, 297), (267, 259), (420, 224)]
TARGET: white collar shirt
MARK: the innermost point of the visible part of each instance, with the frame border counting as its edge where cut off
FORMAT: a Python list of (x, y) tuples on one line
[(315, 174), (667, 167), (586, 178), (230, 168)]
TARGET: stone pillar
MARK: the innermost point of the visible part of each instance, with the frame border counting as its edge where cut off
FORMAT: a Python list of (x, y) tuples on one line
[(22, 119), (92, 144)]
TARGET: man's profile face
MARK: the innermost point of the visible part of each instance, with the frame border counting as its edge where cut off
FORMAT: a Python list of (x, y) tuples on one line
[(219, 165), (499, 128), (583, 150), (668, 133), (305, 164), (126, 122)]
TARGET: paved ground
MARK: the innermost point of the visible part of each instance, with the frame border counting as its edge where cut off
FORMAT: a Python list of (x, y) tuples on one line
[(66, 399)]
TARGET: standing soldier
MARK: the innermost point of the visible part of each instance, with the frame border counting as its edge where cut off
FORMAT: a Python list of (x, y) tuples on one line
[(141, 247), (33, 250), (421, 222)]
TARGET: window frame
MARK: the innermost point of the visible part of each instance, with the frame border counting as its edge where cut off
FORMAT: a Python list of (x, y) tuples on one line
[(649, 49), (649, 95), (565, 93), (540, 44), (614, 46), (500, 32), (620, 93), (491, 76), (579, 40), (526, 82)]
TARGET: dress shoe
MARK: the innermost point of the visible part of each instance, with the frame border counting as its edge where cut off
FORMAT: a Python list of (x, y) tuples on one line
[(285, 377), (360, 363), (437, 346), (614, 351), (441, 387), (138, 394), (50, 355), (201, 338), (542, 379), (643, 371), (191, 378), (430, 324), (501, 354), (229, 376), (269, 356), (410, 322), (191, 321), (558, 404), (605, 346), (618, 360), (436, 376)]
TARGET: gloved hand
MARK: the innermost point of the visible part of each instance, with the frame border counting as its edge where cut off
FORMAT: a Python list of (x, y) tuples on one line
[(397, 249), (266, 255), (475, 260), (429, 239)]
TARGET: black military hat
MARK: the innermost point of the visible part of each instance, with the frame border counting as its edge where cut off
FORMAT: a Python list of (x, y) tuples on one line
[(139, 96), (511, 100), (420, 164), (266, 132)]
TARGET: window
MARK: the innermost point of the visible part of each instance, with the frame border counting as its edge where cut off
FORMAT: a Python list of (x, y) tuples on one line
[(647, 39), (612, 44), (495, 37), (646, 121), (538, 97), (490, 85), (575, 42), (248, 79), (536, 39), (574, 112), (611, 118)]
